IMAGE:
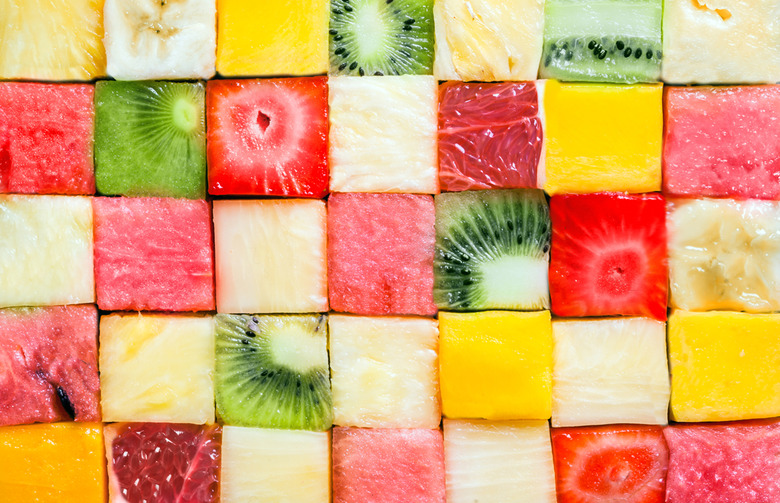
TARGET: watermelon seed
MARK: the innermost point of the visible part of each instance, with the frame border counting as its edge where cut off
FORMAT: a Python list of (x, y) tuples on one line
[(263, 121), (65, 401)]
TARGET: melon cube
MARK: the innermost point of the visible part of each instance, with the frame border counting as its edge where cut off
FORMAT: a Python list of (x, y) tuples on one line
[(383, 134), (725, 366), (153, 254), (495, 364), (388, 465), (270, 256), (384, 372), (380, 253), (609, 371), (602, 137), (46, 251), (498, 460), (275, 465), (157, 367)]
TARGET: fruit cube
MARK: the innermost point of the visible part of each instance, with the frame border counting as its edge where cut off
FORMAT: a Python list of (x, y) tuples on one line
[(150, 139), (52, 40), (609, 371), (46, 251), (48, 365), (153, 254), (157, 367), (163, 462), (721, 41), (724, 366), (495, 365), (722, 141), (608, 255), (384, 372), (724, 254), (274, 465), (489, 40), (52, 462), (160, 40), (285, 37), (388, 465), (46, 138), (383, 134), (490, 135), (270, 256), (380, 253), (498, 460), (602, 137)]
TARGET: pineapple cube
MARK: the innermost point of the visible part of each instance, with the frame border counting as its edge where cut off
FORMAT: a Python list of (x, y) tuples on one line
[(383, 134), (270, 256), (609, 371), (157, 368), (384, 372), (46, 251), (496, 364), (725, 366), (275, 465), (497, 460)]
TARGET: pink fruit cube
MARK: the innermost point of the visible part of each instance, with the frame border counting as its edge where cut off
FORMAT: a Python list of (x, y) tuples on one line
[(153, 254), (380, 253)]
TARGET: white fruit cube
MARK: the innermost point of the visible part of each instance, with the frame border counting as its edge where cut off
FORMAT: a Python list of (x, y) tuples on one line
[(384, 371), (46, 255), (157, 368), (274, 465), (383, 134), (271, 256), (160, 39), (609, 371), (498, 461)]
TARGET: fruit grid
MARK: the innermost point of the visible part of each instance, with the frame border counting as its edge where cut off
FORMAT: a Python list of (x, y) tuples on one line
[(464, 251)]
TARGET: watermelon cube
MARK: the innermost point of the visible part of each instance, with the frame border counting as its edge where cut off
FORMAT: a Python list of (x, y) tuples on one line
[(388, 465), (48, 365), (490, 135), (380, 253), (722, 141), (153, 254), (384, 372), (268, 137)]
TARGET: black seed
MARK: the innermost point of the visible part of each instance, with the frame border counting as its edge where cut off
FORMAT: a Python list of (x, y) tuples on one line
[(658, 54), (345, 54), (569, 55), (467, 282), (311, 386), (649, 54), (547, 60), (65, 402), (519, 239), (338, 12), (407, 27), (545, 248), (263, 373), (244, 341), (339, 50), (409, 21), (592, 44), (342, 66), (602, 54), (347, 8), (466, 272), (333, 32), (361, 72), (337, 38), (405, 53), (379, 73), (353, 65), (510, 225), (638, 53), (627, 52), (565, 46), (620, 45), (553, 47)]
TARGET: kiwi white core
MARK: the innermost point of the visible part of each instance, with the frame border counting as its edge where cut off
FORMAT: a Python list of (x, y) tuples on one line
[(185, 115), (294, 347), (371, 31), (514, 280)]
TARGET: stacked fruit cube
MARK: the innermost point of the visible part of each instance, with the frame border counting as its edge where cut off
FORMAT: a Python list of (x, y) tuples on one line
[(425, 277)]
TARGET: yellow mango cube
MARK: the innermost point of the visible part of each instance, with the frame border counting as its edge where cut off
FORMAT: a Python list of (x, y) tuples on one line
[(496, 365), (602, 137), (725, 366)]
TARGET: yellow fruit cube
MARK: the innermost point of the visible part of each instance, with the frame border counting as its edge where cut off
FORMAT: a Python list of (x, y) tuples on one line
[(725, 366), (496, 364), (602, 137), (272, 37)]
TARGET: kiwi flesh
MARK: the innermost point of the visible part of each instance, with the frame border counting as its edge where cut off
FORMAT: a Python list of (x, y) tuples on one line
[(272, 371), (492, 250), (381, 37)]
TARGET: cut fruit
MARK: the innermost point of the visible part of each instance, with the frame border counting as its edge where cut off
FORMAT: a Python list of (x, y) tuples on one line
[(490, 135), (609, 371), (163, 462), (498, 460), (160, 39), (610, 463), (380, 253), (383, 134), (492, 250), (272, 372), (602, 40), (268, 137), (384, 372), (488, 40), (150, 139), (608, 255), (376, 37)]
